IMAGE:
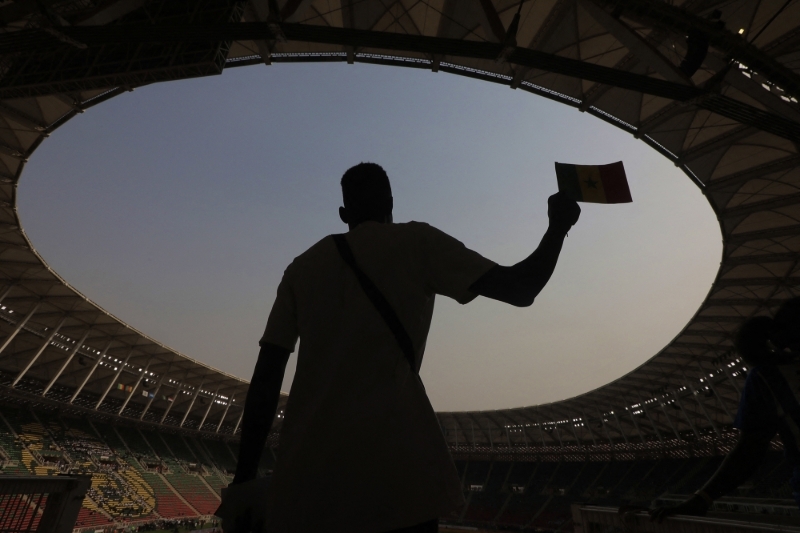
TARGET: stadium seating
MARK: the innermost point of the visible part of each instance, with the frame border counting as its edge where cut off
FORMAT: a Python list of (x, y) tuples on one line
[(168, 504), (195, 491), (135, 473), (142, 474)]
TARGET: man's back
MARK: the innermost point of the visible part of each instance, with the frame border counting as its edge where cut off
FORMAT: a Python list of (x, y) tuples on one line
[(360, 447)]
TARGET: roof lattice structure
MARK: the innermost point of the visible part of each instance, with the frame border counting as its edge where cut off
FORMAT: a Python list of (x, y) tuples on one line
[(712, 85)]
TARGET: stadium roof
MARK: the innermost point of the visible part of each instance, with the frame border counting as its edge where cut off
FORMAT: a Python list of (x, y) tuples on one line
[(712, 85)]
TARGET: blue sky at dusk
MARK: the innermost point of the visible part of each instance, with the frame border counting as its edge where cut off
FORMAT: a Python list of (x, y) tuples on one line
[(177, 206)]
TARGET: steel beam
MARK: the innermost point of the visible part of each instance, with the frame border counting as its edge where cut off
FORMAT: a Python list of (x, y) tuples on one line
[(135, 386), (734, 181), (225, 412), (619, 425), (647, 413), (635, 43), (66, 362), (156, 391), (669, 420), (210, 404), (114, 379), (608, 433), (685, 414), (236, 427), (703, 409), (191, 404), (91, 370), (19, 326), (39, 352), (493, 28)]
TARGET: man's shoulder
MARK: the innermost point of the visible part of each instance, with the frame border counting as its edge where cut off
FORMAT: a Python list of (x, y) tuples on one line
[(312, 255), (325, 246), (313, 252)]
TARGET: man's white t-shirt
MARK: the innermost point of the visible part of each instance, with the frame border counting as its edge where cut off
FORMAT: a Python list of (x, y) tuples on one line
[(361, 449)]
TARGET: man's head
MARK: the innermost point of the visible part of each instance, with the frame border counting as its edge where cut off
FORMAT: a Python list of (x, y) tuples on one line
[(367, 195), (752, 339)]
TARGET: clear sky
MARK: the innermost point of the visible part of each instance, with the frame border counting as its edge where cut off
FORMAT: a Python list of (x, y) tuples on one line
[(177, 207)]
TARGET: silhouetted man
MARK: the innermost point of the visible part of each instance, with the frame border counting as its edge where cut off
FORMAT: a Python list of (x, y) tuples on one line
[(360, 448), (769, 405)]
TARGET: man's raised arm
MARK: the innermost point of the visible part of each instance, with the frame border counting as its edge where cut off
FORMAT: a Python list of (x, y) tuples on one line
[(520, 284), (259, 409)]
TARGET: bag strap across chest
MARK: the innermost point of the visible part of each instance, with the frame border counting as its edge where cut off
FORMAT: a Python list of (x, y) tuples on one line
[(378, 300)]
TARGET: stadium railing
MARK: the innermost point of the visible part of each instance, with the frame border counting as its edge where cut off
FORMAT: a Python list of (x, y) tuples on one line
[(592, 519), (38, 504)]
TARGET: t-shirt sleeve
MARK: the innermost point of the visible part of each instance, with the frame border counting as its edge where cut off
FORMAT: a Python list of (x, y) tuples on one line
[(282, 327), (450, 267), (757, 411)]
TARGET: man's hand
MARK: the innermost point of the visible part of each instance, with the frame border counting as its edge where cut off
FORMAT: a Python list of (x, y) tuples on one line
[(563, 211), (695, 506), (242, 507), (520, 284)]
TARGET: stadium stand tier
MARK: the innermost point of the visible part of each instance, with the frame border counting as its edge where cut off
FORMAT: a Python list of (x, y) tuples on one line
[(712, 86), (138, 474)]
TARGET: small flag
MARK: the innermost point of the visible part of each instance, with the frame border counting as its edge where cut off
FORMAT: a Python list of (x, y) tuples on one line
[(144, 393), (120, 386), (128, 388), (599, 184)]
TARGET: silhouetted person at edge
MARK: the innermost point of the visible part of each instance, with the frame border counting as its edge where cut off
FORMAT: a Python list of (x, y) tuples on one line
[(360, 448), (769, 405)]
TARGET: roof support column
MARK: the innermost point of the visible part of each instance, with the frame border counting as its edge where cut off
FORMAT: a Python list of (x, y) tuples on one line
[(167, 410), (210, 404), (558, 434), (135, 386), (18, 328), (91, 370), (605, 429), (66, 363), (525, 437), (491, 442), (191, 404), (588, 426), (463, 431), (685, 414), (39, 352), (669, 420), (472, 426), (710, 382), (225, 413), (650, 418), (236, 427), (636, 424), (541, 431), (5, 292), (624, 436), (571, 425), (169, 407), (703, 408), (733, 381), (113, 379), (155, 392)]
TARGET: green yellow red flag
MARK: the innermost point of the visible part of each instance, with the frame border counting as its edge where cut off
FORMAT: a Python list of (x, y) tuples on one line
[(599, 184)]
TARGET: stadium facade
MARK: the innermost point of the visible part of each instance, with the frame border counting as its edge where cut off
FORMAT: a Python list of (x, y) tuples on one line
[(711, 85)]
